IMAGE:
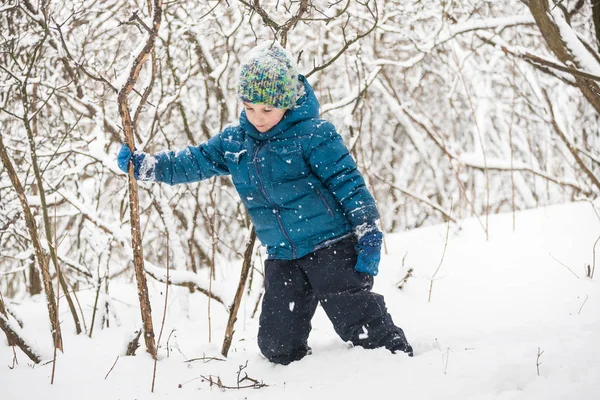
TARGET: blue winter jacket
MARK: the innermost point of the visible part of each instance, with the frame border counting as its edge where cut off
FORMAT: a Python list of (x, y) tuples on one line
[(298, 181)]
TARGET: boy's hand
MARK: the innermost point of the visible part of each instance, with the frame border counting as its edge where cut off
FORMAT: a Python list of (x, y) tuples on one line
[(142, 169), (369, 253), (124, 157)]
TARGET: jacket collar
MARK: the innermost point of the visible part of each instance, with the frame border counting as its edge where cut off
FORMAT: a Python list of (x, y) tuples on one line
[(306, 107)]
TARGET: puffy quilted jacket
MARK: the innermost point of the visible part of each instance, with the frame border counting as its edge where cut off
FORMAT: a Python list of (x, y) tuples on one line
[(298, 181)]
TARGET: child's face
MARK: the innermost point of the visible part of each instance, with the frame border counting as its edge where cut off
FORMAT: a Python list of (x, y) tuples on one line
[(262, 116)]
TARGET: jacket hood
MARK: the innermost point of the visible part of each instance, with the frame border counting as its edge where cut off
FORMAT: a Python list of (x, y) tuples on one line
[(306, 107)]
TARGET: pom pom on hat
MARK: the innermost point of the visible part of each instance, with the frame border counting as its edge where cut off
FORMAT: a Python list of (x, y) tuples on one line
[(268, 75)]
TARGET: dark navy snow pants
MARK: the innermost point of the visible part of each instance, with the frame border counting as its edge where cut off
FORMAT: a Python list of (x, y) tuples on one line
[(293, 288)]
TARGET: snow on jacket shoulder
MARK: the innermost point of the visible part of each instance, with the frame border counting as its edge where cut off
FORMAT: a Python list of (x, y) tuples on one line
[(298, 181)]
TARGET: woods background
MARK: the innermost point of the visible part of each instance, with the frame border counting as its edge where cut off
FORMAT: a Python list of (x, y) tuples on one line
[(452, 109)]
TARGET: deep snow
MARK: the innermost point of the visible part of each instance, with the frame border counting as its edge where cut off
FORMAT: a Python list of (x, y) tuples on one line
[(494, 305)]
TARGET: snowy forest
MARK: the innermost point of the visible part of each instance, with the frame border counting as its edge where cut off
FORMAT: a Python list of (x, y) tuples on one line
[(453, 109)]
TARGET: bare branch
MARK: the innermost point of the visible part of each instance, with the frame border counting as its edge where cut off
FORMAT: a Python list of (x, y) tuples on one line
[(348, 43)]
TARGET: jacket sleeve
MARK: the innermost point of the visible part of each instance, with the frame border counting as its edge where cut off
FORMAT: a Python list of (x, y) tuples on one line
[(332, 163), (192, 164)]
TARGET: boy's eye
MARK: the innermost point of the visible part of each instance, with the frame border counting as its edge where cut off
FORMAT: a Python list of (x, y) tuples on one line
[(267, 109)]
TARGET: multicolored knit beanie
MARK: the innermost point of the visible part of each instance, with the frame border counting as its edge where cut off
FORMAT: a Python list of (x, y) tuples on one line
[(268, 75)]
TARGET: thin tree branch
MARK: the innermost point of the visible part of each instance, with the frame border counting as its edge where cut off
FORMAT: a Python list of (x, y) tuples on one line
[(436, 207), (229, 331), (348, 43)]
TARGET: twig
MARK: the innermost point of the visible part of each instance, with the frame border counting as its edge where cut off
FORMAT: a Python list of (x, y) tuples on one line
[(57, 295), (558, 3), (594, 257), (213, 235), (168, 339), (136, 17), (204, 359), (218, 382), (447, 358), (134, 344), (595, 210), (95, 304), (538, 363), (254, 385), (564, 265), (239, 293), (445, 355), (79, 306), (258, 300), (11, 221), (348, 43), (15, 361), (445, 213), (442, 259), (191, 380), (512, 152), (581, 308), (240, 369), (111, 368), (79, 66), (486, 170), (402, 282), (291, 23), (187, 284), (164, 317)]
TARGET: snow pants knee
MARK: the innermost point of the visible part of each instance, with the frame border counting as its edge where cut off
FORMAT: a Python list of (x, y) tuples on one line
[(293, 288)]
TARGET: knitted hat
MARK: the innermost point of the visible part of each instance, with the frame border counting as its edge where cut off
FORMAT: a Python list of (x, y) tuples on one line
[(268, 75)]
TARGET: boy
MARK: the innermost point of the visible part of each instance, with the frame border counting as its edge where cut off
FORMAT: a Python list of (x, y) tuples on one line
[(308, 203)]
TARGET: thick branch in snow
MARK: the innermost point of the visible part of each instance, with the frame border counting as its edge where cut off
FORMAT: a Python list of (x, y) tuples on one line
[(12, 333)]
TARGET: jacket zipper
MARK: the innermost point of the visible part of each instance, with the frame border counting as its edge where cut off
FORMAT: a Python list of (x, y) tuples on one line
[(324, 201), (276, 208)]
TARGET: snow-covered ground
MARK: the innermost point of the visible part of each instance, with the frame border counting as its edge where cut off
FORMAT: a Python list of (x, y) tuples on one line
[(513, 317)]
